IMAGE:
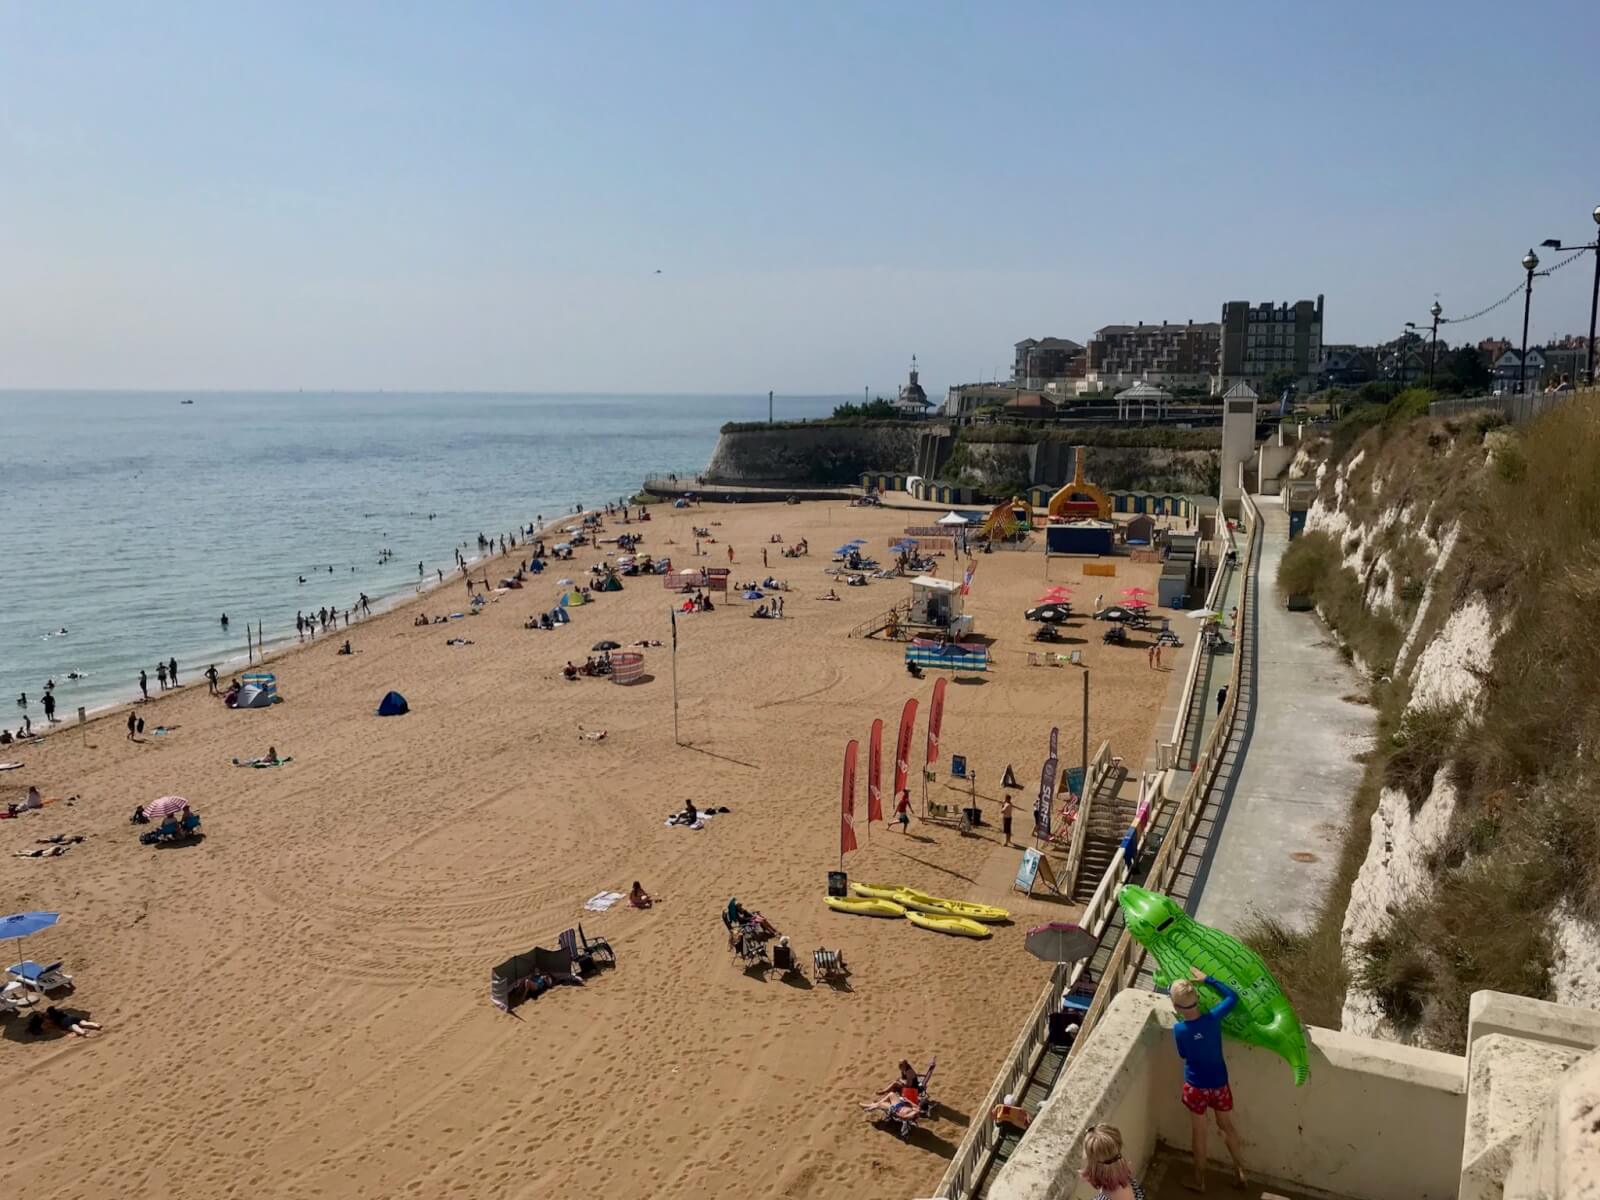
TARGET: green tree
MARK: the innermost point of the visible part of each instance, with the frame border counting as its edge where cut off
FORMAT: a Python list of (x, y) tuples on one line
[(1462, 372)]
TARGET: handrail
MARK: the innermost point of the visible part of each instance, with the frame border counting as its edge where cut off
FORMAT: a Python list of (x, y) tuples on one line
[(1093, 774), (1122, 967), (1213, 595), (1021, 1061)]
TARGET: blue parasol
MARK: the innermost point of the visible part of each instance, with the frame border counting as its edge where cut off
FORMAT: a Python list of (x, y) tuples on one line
[(20, 925), (753, 594)]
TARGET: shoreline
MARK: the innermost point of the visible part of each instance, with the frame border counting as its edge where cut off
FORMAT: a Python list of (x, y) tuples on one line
[(280, 649)]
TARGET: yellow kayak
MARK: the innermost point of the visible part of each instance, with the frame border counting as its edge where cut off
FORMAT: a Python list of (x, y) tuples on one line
[(986, 913), (917, 901), (864, 906), (876, 891), (960, 926)]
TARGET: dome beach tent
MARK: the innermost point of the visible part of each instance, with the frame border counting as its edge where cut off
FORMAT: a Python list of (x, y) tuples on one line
[(393, 705)]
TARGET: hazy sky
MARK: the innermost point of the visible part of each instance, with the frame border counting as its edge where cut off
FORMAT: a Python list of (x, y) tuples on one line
[(478, 196)]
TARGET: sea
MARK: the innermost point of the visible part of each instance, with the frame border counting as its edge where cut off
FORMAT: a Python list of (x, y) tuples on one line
[(130, 522)]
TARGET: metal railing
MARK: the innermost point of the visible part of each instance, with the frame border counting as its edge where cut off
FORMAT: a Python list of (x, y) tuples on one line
[(1518, 409), (1020, 1063), (1123, 967)]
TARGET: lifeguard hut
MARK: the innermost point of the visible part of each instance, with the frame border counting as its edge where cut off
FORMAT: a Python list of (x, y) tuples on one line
[(936, 603)]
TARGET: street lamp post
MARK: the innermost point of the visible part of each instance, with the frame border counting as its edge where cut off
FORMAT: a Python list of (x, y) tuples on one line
[(1433, 344), (1594, 299), (1530, 263)]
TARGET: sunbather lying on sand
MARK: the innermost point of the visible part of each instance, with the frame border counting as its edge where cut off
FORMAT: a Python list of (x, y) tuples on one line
[(62, 1020), (50, 852), (591, 735)]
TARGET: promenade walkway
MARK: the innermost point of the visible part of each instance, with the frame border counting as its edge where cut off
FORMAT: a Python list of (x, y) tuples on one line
[(1285, 795)]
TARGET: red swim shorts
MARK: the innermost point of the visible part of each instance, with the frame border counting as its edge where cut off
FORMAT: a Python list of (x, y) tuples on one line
[(1197, 1100)]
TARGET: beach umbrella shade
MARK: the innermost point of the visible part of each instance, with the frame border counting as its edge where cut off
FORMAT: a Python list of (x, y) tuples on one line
[(952, 519), (1204, 614), (1135, 591), (1048, 613), (753, 594), (20, 925), (1114, 612), (607, 644), (1060, 942), (1055, 596), (160, 810)]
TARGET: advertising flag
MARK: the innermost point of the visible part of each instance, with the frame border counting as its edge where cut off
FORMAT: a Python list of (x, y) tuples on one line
[(847, 802), (902, 746), (875, 775), (935, 720), (1055, 737), (1047, 792)]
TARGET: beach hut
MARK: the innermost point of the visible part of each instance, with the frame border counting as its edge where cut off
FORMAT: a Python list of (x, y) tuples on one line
[(393, 705), (1140, 531)]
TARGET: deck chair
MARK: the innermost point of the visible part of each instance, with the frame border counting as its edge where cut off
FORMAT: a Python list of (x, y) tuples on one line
[(40, 979), (584, 957), (744, 942), (783, 960), (599, 947), (828, 964), (907, 1121)]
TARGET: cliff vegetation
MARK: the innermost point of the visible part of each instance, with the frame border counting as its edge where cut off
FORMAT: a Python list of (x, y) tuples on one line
[(1458, 563)]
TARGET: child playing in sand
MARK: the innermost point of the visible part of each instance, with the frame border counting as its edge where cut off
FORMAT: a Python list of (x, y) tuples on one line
[(638, 897)]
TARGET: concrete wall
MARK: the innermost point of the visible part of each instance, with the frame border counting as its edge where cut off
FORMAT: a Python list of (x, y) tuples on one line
[(820, 454), (1377, 1121)]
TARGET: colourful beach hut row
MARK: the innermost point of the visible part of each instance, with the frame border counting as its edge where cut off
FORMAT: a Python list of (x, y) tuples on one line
[(1151, 503)]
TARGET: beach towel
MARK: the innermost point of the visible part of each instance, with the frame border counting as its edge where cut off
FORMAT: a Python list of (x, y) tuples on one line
[(601, 901)]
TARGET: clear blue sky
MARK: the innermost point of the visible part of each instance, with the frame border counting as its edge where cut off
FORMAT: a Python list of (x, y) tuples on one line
[(471, 196)]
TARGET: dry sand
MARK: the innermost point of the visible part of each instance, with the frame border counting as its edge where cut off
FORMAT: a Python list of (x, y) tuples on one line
[(298, 1005)]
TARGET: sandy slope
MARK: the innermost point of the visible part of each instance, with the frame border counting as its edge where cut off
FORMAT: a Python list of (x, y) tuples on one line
[(298, 1006)]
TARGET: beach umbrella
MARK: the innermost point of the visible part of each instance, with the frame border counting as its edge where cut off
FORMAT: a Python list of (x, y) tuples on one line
[(19, 925), (607, 644), (1114, 612), (753, 594), (952, 519), (158, 810), (1135, 592), (1055, 596), (1205, 614), (1050, 614), (1060, 942)]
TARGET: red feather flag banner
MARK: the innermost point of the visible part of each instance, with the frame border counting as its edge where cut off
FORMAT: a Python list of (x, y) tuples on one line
[(847, 804), (875, 775), (902, 749), (935, 720)]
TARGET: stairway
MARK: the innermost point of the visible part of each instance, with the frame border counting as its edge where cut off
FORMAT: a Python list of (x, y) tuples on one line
[(876, 625), (1108, 815)]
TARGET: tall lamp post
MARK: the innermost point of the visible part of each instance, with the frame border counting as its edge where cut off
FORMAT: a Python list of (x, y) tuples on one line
[(1530, 264), (1594, 299), (1433, 343)]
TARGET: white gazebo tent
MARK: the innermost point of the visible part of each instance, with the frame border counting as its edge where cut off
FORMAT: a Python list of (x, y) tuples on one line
[(1145, 396), (952, 519)]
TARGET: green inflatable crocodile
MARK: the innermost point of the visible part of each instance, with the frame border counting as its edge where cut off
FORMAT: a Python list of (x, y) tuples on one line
[(1262, 1017)]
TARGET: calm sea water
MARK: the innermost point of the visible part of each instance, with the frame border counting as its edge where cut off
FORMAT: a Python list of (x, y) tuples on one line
[(134, 521)]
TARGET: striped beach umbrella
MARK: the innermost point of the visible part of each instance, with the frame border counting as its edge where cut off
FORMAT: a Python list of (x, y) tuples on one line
[(160, 810)]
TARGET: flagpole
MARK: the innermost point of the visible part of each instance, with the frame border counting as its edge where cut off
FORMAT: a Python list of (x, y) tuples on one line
[(675, 739)]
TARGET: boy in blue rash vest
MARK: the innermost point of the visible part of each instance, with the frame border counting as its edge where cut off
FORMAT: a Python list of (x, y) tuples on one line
[(1205, 1074)]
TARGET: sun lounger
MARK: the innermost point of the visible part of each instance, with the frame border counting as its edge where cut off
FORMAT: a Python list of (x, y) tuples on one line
[(41, 979)]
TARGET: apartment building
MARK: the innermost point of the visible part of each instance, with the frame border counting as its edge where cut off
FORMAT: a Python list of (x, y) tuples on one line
[(1261, 340)]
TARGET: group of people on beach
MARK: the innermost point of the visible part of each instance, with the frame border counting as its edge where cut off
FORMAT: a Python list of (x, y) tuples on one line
[(166, 677)]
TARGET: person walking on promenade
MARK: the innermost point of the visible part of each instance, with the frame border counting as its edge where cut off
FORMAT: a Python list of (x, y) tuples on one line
[(144, 684), (172, 670), (1006, 809), (161, 675), (1222, 698), (1198, 1037)]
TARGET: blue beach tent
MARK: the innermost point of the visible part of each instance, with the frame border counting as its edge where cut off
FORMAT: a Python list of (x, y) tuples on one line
[(394, 705)]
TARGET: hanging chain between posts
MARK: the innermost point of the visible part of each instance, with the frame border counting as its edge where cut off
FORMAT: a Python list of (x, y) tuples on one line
[(1509, 296)]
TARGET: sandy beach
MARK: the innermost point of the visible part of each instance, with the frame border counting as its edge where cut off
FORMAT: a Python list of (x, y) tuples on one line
[(298, 1005)]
